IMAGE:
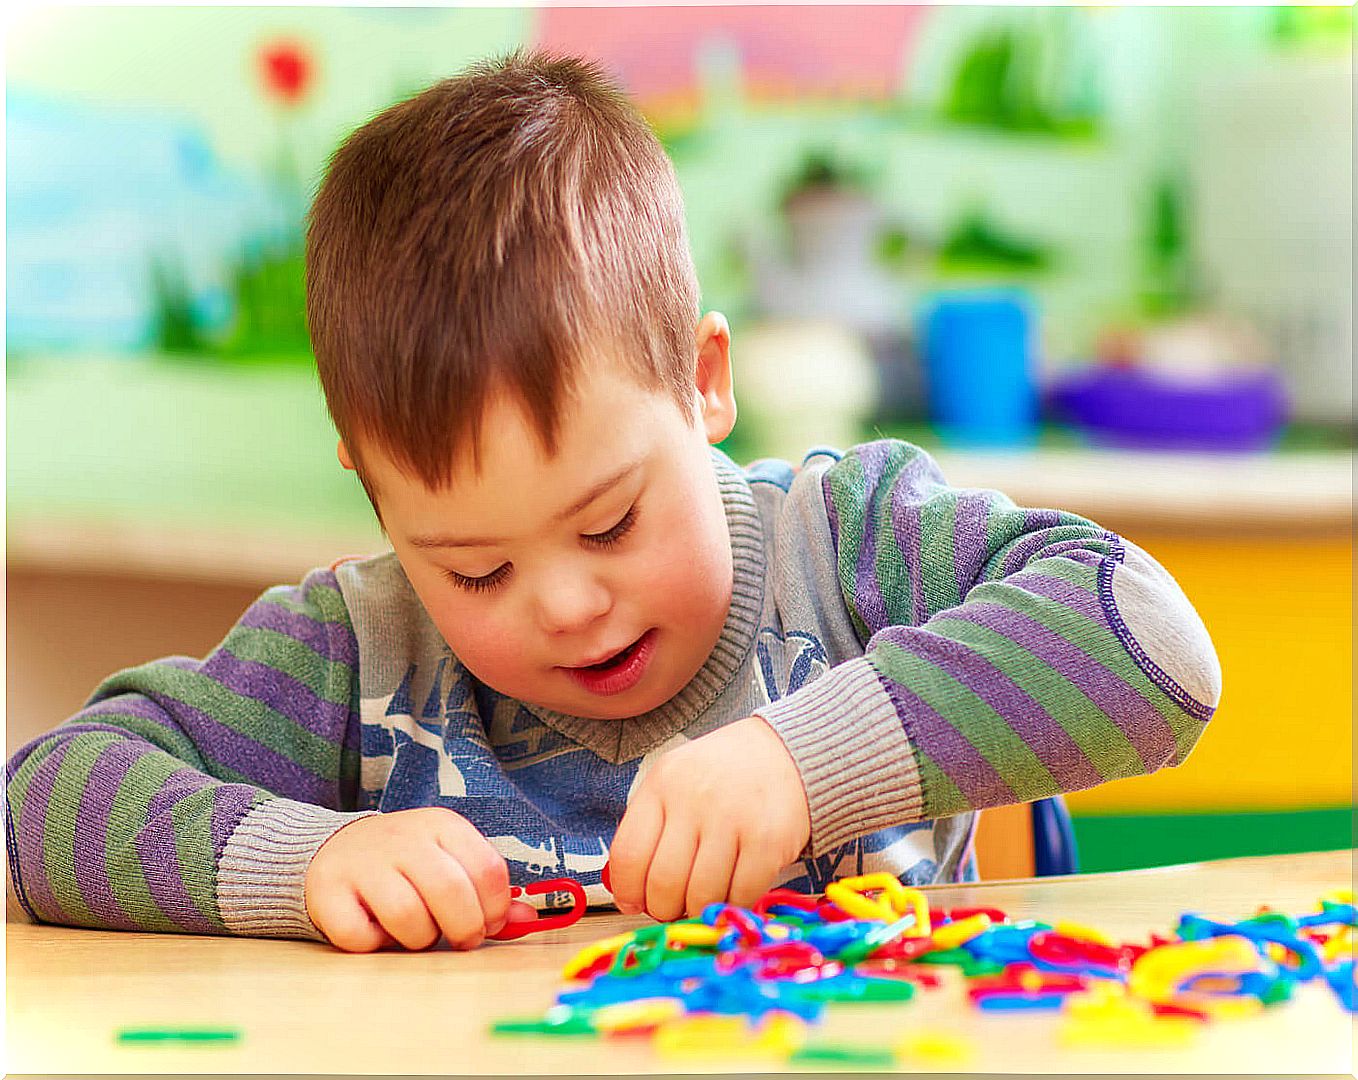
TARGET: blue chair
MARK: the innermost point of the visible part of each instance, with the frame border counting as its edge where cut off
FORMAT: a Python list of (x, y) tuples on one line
[(1054, 849), (1027, 840)]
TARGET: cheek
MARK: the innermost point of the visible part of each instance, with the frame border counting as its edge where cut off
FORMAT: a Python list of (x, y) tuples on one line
[(479, 637), (693, 575)]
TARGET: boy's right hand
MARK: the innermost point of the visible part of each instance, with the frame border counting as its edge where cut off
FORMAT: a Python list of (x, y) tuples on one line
[(409, 877)]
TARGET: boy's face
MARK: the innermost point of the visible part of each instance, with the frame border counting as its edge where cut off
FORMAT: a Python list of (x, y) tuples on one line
[(539, 567)]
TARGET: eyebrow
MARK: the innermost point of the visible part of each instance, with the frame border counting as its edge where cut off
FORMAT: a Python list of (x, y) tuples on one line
[(599, 489)]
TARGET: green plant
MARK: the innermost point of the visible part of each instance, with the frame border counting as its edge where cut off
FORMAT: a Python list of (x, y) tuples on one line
[(821, 169), (975, 242), (175, 328), (1170, 284), (270, 291)]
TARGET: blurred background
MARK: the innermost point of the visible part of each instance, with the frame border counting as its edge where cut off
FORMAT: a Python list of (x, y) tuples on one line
[(1099, 258)]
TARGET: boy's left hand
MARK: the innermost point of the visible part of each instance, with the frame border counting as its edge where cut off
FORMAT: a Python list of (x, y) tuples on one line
[(714, 820)]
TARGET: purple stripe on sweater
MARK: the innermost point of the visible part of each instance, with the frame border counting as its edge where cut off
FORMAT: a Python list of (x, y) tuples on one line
[(1097, 608), (257, 763), (969, 547), (907, 495), (1147, 731), (1028, 718), (134, 705), (159, 856), (91, 833), (32, 827), (867, 599), (281, 692), (1037, 538), (230, 803), (335, 643), (977, 780)]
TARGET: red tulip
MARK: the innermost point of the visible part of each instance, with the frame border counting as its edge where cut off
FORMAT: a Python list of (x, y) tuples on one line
[(287, 68)]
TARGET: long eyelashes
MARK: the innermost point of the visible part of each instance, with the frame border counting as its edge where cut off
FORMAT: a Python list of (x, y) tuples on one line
[(490, 581), (613, 535), (500, 574)]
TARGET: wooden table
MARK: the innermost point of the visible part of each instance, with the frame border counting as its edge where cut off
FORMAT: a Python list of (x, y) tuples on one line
[(304, 1007)]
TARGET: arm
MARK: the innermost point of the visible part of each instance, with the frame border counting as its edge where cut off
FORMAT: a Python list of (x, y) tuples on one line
[(190, 795), (1010, 655)]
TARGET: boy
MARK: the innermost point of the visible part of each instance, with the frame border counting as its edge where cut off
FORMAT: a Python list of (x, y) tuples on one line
[(595, 638)]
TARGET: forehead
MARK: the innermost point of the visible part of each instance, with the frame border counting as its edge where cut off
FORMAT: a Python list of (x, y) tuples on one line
[(608, 418)]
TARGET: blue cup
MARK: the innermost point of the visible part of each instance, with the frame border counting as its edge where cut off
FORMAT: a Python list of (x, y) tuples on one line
[(977, 353)]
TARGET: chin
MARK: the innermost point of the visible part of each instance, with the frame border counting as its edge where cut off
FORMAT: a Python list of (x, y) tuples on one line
[(619, 710)]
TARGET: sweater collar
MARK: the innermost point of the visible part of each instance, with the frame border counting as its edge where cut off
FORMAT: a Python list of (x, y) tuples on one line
[(622, 740)]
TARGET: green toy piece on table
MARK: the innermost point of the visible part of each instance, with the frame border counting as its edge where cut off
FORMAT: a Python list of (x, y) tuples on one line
[(187, 1035)]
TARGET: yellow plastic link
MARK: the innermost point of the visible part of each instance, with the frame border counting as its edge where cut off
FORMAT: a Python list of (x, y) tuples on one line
[(895, 900), (702, 1036), (1107, 1017), (848, 894), (1157, 974), (644, 1012), (593, 951), (934, 1047), (779, 1036), (1085, 933), (952, 935), (1340, 946), (693, 934)]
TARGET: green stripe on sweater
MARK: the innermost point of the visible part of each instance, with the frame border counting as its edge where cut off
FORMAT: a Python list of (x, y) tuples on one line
[(1094, 638), (937, 553), (329, 680), (142, 781), (58, 832), (992, 737), (244, 715), (191, 818), (1100, 740), (942, 796), (319, 603), (17, 793), (847, 481)]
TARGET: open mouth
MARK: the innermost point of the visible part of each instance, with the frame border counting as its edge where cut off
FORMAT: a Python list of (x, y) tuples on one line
[(617, 659)]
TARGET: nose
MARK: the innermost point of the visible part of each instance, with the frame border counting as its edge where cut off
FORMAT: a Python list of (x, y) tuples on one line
[(570, 603)]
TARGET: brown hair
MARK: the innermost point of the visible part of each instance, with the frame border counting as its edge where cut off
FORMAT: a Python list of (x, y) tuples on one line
[(474, 239)]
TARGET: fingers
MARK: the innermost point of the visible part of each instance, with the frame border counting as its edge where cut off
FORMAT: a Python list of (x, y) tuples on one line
[(450, 899), (397, 904), (343, 918), (754, 874), (630, 856), (709, 882), (667, 877), (485, 870)]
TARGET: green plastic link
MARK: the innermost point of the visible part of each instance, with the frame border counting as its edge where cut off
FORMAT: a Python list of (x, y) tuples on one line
[(856, 988), (843, 1055), (559, 1020), (194, 1035)]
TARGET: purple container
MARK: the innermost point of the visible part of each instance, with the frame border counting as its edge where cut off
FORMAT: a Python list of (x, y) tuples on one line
[(1130, 407)]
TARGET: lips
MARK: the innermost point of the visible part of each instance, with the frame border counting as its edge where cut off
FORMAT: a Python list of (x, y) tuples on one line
[(606, 658), (618, 673)]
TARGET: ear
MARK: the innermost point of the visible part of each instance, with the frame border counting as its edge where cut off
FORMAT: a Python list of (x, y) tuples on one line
[(344, 458), (712, 377)]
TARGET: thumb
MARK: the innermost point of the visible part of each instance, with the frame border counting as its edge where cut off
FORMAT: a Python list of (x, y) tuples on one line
[(521, 912)]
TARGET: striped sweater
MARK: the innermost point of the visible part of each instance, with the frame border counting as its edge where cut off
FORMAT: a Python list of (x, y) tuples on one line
[(923, 651)]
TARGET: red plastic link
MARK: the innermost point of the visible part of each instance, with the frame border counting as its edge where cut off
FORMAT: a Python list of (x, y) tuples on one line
[(549, 922)]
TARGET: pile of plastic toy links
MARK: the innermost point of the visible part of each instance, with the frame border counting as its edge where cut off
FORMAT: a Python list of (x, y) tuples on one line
[(754, 983)]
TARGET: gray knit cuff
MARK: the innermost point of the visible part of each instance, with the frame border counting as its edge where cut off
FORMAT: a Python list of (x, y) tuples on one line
[(261, 875), (852, 751)]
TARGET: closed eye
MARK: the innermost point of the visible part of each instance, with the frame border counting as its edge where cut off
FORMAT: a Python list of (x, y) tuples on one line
[(613, 535), (485, 583)]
